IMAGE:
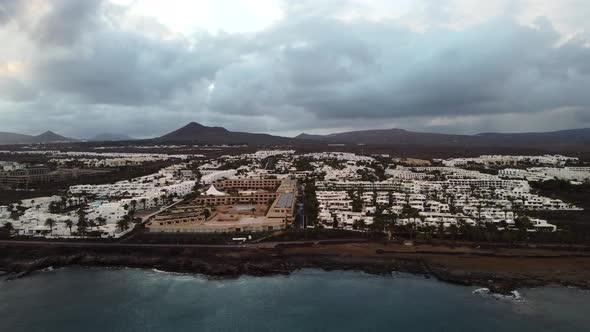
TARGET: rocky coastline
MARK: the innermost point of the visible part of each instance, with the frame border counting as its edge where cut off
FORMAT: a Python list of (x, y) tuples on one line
[(20, 261)]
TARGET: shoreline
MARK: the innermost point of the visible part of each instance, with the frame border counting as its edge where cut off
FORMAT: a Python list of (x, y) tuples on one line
[(501, 272)]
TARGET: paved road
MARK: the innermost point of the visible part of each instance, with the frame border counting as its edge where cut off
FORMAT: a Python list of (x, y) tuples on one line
[(268, 245)]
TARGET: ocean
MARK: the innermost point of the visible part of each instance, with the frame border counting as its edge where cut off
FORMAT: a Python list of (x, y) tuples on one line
[(92, 299)]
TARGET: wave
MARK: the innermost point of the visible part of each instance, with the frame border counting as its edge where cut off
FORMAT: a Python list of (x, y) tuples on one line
[(514, 295)]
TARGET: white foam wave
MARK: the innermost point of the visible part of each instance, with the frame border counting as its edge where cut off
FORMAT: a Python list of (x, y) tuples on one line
[(514, 295)]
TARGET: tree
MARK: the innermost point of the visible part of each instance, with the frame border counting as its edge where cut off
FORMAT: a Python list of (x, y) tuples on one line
[(197, 188), (8, 227), (440, 231), (374, 197), (123, 224), (454, 230), (69, 225), (409, 212), (357, 203), (452, 206), (359, 225), (155, 200), (14, 215), (50, 223), (131, 214), (54, 207), (194, 167), (101, 221), (334, 221), (378, 224), (523, 223), (82, 222), (207, 213), (133, 204), (310, 202), (143, 201)]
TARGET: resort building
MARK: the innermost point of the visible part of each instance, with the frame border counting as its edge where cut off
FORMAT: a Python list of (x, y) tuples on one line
[(250, 209)]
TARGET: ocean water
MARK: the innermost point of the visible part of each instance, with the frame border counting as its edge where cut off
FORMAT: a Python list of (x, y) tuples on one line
[(80, 299)]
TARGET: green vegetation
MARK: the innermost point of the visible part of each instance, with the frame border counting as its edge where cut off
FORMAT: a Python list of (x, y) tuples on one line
[(69, 224), (310, 202), (303, 164), (50, 223), (234, 164), (123, 224), (82, 222), (357, 202)]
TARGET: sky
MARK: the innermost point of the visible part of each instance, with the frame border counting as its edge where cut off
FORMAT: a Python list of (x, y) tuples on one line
[(283, 67)]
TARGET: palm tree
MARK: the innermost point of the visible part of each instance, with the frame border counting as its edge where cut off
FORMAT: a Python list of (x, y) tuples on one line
[(123, 224), (389, 199), (69, 225), (50, 223), (101, 221), (8, 227), (359, 225), (440, 231), (206, 213), (82, 223), (131, 215), (334, 221)]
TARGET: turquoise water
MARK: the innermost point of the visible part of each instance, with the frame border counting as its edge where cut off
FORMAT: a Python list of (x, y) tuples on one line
[(243, 207), (77, 299)]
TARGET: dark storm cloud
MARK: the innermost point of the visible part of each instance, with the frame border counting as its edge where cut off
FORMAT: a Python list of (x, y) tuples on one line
[(111, 65), (350, 70), (67, 21), (327, 73)]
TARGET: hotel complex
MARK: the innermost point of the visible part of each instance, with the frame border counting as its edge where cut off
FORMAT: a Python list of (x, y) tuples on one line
[(249, 205)]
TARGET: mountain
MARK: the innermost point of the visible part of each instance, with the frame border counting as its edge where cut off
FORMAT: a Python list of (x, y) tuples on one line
[(197, 133), (46, 137), (388, 137), (571, 139), (108, 137), (12, 138), (50, 137), (310, 137)]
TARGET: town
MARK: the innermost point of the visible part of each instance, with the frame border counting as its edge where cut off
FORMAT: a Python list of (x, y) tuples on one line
[(248, 195)]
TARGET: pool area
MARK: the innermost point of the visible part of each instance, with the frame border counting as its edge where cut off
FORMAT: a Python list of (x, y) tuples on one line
[(97, 203), (243, 207)]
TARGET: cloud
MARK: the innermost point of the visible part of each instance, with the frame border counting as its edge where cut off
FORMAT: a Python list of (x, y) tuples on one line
[(94, 66)]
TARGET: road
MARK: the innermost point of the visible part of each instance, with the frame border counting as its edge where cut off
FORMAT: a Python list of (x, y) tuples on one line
[(264, 245)]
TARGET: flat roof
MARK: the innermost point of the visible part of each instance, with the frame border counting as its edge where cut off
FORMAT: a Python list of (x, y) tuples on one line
[(285, 200)]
